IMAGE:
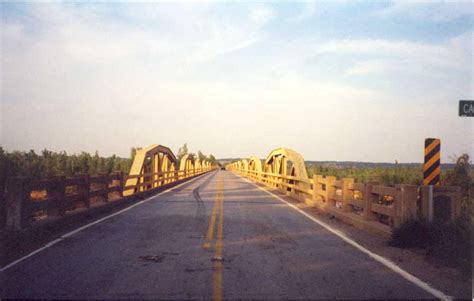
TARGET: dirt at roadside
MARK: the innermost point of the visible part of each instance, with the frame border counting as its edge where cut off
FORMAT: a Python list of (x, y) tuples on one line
[(451, 281)]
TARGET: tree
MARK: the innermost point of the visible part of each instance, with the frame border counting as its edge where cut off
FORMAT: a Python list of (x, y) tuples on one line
[(133, 151), (94, 164), (201, 156), (183, 151), (47, 162), (212, 159), (84, 162), (110, 163), (460, 175), (61, 163)]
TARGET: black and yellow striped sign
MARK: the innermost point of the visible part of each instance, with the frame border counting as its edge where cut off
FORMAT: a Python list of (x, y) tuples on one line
[(432, 166)]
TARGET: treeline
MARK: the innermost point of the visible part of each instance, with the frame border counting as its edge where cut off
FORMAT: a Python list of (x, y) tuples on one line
[(386, 176), (49, 163), (459, 175), (184, 151)]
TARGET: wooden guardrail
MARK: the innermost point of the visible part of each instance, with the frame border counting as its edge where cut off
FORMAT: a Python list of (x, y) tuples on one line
[(28, 202), (366, 205)]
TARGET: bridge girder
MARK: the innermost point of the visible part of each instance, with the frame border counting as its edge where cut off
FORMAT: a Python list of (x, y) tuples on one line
[(244, 164), (197, 164), (187, 164), (151, 159), (255, 164), (277, 160)]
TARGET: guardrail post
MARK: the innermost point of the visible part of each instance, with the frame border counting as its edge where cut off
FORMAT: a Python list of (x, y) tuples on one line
[(86, 190), (121, 183), (17, 197), (3, 209), (106, 187), (369, 198), (405, 203), (316, 188), (346, 194), (330, 190), (58, 192), (116, 181)]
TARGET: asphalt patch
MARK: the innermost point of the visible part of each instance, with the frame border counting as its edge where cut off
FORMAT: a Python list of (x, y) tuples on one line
[(153, 258)]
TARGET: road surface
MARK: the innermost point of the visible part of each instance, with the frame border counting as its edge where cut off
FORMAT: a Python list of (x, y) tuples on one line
[(217, 236)]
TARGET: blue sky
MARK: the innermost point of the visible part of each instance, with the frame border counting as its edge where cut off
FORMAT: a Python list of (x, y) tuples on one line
[(346, 80)]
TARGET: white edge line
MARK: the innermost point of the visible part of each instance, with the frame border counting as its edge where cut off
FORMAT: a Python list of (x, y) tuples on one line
[(384, 261), (52, 243)]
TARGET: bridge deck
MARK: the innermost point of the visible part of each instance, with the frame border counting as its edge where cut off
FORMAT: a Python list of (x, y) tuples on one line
[(269, 251)]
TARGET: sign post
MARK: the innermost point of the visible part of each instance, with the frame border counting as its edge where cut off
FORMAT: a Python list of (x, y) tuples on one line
[(430, 203)]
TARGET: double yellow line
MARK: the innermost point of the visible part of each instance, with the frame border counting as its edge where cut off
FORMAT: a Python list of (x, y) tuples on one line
[(217, 212)]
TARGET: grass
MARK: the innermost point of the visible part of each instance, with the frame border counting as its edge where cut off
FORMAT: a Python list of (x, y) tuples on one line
[(449, 243)]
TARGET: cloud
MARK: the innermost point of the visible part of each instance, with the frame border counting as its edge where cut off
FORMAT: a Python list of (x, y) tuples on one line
[(438, 11), (261, 15), (384, 55), (179, 73), (306, 12), (369, 68)]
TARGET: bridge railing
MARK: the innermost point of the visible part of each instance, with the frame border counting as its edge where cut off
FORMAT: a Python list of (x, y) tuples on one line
[(367, 205), (157, 179), (29, 202)]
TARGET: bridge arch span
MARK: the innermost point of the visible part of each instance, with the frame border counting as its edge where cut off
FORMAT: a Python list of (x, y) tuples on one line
[(244, 165), (255, 167), (186, 165), (148, 163), (287, 162)]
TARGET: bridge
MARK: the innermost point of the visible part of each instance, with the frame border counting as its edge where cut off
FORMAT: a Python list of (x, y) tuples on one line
[(189, 230)]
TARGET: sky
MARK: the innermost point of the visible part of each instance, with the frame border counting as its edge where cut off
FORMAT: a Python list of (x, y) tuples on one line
[(345, 81)]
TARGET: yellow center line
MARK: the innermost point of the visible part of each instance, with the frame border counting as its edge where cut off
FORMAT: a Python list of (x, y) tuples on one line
[(218, 258), (217, 212), (210, 229)]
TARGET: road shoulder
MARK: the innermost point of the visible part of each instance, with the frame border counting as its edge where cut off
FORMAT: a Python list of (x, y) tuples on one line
[(451, 281)]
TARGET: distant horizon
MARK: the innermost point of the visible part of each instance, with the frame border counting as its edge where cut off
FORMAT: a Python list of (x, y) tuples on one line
[(344, 161), (38, 151)]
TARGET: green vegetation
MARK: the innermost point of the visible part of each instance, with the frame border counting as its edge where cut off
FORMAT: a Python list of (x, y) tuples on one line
[(184, 151), (48, 163), (463, 176), (384, 175), (459, 175), (451, 242)]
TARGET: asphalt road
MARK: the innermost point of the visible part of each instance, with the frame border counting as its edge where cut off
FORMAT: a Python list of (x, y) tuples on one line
[(215, 237)]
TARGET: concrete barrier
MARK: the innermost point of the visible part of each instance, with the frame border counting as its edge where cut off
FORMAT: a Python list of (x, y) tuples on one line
[(368, 206), (63, 197)]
